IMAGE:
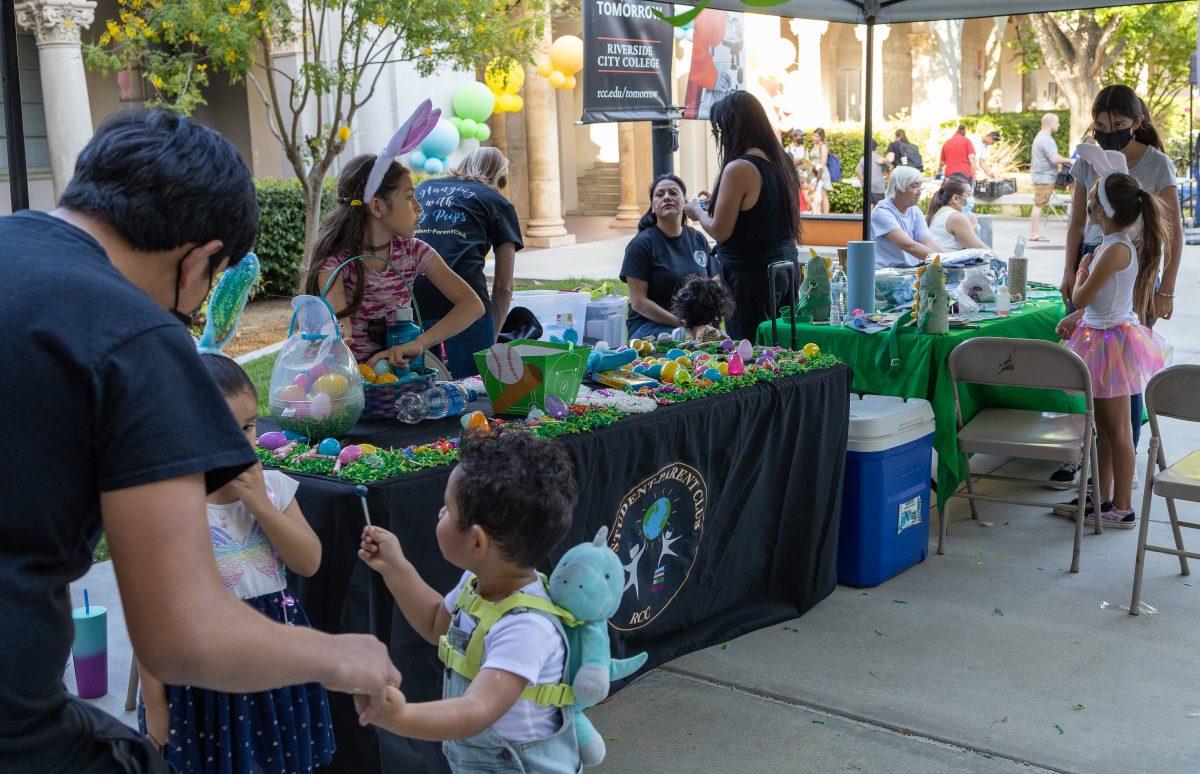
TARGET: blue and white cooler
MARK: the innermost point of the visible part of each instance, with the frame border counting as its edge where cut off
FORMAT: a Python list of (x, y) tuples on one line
[(885, 495)]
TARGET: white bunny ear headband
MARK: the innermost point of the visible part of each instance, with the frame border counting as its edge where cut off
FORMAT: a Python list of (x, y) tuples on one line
[(1105, 163), (406, 139)]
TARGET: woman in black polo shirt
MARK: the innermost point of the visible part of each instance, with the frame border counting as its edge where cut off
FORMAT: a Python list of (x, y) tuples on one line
[(659, 257)]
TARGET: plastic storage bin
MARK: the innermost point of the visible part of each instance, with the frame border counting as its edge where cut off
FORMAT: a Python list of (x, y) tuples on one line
[(885, 494), (547, 305), (606, 320)]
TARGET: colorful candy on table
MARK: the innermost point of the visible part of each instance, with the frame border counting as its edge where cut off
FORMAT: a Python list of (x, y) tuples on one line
[(364, 463)]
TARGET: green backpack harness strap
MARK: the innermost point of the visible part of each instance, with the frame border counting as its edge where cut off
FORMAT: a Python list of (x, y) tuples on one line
[(486, 614)]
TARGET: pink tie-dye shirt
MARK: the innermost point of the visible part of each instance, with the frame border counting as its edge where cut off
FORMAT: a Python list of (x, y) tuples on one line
[(385, 291)]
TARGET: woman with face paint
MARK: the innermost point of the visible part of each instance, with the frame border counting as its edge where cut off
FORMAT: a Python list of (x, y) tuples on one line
[(1122, 123)]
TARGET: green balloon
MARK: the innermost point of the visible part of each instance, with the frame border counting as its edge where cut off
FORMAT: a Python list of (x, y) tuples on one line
[(457, 122), (482, 132), (474, 101), (467, 128)]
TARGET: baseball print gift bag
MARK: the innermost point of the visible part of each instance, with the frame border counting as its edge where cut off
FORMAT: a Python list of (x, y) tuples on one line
[(523, 373)]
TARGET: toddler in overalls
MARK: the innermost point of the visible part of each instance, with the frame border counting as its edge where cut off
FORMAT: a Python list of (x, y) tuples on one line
[(505, 705)]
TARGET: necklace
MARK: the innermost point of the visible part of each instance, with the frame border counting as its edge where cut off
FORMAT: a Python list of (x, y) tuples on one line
[(376, 248)]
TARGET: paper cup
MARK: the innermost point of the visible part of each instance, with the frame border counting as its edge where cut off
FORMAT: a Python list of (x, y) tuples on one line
[(1018, 273)]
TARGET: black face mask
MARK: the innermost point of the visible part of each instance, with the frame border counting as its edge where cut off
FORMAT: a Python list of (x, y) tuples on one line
[(1115, 140), (188, 319)]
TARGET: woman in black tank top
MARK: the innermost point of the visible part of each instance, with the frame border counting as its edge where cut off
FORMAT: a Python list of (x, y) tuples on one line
[(754, 211)]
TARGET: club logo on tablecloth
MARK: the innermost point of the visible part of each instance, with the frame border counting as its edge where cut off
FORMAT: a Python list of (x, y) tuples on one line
[(656, 535)]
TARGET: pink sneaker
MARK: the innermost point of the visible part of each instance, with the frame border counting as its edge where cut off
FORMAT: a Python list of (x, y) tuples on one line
[(1112, 517)]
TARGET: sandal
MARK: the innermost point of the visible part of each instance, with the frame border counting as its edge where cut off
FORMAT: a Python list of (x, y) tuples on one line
[(1039, 239)]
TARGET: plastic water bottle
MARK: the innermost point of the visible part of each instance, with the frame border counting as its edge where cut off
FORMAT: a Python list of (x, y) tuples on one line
[(837, 296), (1003, 301), (404, 331), (443, 399), (570, 334)]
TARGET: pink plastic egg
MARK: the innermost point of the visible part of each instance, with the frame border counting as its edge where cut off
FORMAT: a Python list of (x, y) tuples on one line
[(320, 406), (303, 381), (349, 454), (292, 393), (736, 366)]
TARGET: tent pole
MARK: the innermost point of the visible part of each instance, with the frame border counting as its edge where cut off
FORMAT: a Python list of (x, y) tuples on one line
[(14, 130), (868, 106)]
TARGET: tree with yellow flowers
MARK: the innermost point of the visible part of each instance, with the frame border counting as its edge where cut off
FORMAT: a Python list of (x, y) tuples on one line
[(314, 63)]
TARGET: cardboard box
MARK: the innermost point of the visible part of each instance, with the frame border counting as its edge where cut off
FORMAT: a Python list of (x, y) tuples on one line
[(520, 374)]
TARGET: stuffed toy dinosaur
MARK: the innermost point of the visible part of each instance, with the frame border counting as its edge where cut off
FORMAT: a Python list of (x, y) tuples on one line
[(600, 360), (226, 305), (814, 291), (933, 303), (588, 582)]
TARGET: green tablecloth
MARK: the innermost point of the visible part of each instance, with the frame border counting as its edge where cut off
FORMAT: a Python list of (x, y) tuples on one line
[(924, 372)]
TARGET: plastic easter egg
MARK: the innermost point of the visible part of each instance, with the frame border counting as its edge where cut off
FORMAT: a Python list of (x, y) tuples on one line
[(640, 368), (320, 406), (317, 371), (723, 368), (726, 346), (388, 378), (735, 367), (700, 356), (654, 371), (664, 338), (684, 362), (349, 454), (292, 393), (746, 350), (303, 381), (682, 378), (382, 367), (668, 371), (473, 420), (329, 447), (556, 407), (367, 372), (367, 448), (763, 360), (676, 353), (635, 344), (272, 440), (713, 375), (294, 436), (768, 353), (811, 350), (332, 385)]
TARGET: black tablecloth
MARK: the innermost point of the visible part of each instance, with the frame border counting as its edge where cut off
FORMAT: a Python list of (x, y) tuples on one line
[(729, 505)]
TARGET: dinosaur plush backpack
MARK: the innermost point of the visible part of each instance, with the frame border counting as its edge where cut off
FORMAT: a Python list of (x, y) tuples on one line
[(585, 591)]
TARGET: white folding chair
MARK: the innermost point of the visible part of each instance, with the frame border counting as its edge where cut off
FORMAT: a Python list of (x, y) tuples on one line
[(1174, 392), (1020, 432)]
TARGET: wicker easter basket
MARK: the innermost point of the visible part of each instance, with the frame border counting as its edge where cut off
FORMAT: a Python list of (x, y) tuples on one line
[(380, 399)]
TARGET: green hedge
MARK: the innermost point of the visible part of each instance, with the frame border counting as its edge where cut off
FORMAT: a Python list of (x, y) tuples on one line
[(280, 245), (845, 198), (1016, 128)]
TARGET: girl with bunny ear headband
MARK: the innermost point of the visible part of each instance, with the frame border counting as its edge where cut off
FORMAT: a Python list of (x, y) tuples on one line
[(376, 216)]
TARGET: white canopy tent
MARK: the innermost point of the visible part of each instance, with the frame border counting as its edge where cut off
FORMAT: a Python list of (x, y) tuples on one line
[(872, 12)]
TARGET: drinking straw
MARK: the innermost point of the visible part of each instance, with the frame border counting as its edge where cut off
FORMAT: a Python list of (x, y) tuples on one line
[(87, 606)]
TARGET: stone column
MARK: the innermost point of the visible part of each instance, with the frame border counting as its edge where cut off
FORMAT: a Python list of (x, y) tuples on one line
[(545, 227), (808, 34), (881, 34), (628, 212), (499, 139), (937, 67), (56, 25)]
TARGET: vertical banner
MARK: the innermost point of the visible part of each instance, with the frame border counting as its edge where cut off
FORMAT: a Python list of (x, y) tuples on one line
[(627, 53), (718, 61)]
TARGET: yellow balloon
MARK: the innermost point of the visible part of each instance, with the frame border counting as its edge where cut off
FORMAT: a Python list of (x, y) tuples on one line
[(557, 79), (517, 103), (544, 68), (566, 54), (569, 83), (508, 103), (504, 77)]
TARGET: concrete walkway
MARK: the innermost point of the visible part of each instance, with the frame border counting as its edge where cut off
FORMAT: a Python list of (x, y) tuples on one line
[(992, 658)]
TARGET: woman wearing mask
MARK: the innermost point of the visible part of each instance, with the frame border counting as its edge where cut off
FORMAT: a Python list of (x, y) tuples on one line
[(753, 212), (1122, 123), (948, 213)]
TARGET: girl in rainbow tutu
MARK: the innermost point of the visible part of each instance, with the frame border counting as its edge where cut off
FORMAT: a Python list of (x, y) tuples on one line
[(1114, 288)]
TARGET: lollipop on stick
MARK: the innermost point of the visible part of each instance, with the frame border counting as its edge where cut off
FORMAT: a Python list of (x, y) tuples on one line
[(362, 496)]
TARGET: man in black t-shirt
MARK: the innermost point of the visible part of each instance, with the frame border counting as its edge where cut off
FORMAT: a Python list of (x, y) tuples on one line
[(121, 427), (902, 153)]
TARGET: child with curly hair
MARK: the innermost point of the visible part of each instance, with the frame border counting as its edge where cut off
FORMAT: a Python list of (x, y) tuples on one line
[(508, 504), (700, 304)]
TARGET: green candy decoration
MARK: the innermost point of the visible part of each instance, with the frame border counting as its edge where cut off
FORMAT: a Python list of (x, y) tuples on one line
[(933, 302), (814, 291)]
